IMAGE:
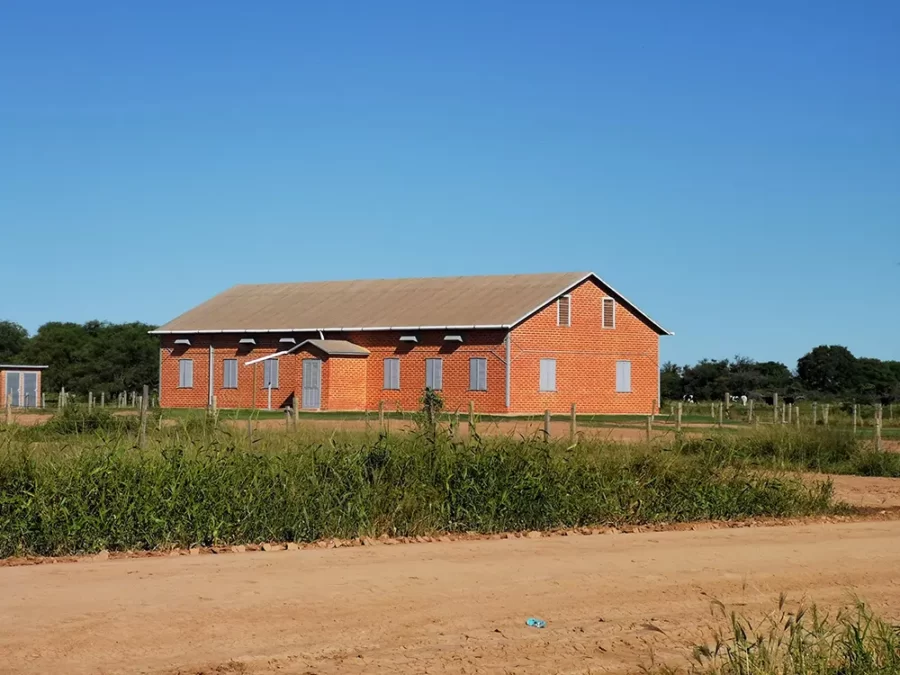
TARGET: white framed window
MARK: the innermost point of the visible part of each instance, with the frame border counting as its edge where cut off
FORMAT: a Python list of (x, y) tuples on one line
[(270, 374), (609, 313), (434, 374), (477, 374), (548, 375), (623, 377), (392, 373), (185, 373), (564, 311), (229, 374)]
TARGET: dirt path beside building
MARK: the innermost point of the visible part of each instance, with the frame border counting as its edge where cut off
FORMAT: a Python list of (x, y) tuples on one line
[(609, 602)]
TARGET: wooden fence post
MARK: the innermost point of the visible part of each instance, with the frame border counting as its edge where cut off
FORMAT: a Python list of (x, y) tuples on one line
[(144, 399), (649, 428), (790, 413), (678, 410), (547, 425), (855, 415), (825, 415), (727, 401), (61, 402), (90, 400), (815, 413), (287, 419), (878, 426), (471, 417), (573, 426), (797, 415), (102, 399), (43, 400), (775, 408), (750, 412), (720, 415), (712, 410)]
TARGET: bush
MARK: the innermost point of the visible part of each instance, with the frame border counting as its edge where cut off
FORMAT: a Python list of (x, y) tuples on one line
[(114, 496)]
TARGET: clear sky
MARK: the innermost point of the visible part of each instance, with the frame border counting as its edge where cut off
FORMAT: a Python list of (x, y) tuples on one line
[(733, 168)]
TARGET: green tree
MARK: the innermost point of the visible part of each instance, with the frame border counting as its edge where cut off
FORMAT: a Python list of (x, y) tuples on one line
[(706, 380), (670, 382), (829, 369), (13, 339), (876, 380), (96, 356)]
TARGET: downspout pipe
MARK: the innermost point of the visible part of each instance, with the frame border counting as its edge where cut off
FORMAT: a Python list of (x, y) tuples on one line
[(508, 368), (212, 352)]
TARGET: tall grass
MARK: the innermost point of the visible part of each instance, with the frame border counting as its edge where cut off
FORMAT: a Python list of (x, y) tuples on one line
[(785, 448), (101, 492), (801, 641)]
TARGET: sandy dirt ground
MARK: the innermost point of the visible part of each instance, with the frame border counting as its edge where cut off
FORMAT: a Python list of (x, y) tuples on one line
[(610, 601), (865, 491)]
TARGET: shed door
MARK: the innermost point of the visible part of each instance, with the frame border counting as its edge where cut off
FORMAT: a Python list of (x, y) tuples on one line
[(312, 383), (30, 390), (12, 388)]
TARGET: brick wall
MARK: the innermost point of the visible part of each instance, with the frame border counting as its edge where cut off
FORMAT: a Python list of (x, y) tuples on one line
[(455, 357), (585, 353), (347, 379), (249, 393)]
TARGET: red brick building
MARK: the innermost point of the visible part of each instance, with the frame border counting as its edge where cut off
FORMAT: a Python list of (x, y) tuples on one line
[(511, 344)]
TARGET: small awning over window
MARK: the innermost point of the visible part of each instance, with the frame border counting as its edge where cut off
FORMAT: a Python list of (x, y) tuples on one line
[(338, 347)]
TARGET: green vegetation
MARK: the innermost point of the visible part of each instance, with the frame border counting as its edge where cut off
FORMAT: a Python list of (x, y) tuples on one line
[(198, 484), (787, 448), (800, 642), (828, 372), (94, 356)]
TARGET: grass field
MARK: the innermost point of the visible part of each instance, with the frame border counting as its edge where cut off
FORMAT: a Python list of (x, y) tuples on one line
[(79, 484)]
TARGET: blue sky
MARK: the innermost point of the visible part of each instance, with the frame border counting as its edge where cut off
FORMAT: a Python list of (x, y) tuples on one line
[(734, 170)]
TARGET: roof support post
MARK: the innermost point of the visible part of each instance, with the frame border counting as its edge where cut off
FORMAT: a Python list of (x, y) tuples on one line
[(508, 367)]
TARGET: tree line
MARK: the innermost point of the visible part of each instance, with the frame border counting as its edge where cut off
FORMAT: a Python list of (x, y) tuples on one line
[(106, 357), (827, 372), (94, 356)]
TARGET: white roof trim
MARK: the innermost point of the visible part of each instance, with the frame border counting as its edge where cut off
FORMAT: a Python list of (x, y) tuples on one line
[(20, 366), (336, 329)]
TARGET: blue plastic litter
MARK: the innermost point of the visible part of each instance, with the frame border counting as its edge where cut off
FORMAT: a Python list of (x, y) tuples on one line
[(536, 623)]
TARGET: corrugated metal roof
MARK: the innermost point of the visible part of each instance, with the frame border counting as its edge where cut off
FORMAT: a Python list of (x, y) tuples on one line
[(337, 347), (496, 301)]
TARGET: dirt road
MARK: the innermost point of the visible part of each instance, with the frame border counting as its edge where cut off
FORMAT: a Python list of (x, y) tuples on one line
[(437, 608)]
